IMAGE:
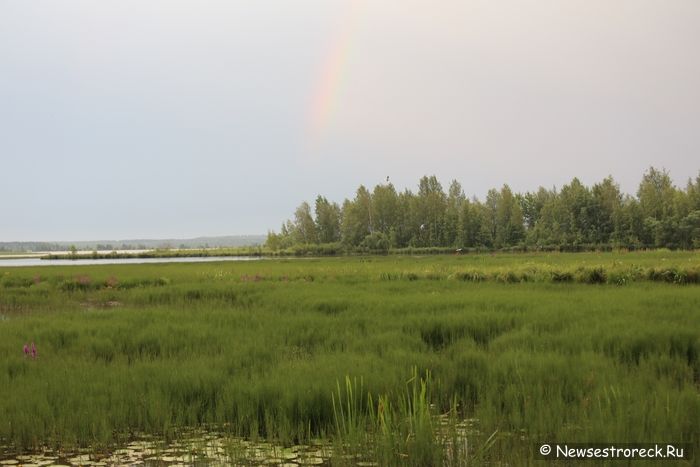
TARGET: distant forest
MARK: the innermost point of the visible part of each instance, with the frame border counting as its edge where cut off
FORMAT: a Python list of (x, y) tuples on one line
[(139, 244), (575, 217)]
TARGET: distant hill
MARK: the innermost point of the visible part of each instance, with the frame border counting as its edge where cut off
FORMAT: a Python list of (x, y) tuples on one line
[(138, 244)]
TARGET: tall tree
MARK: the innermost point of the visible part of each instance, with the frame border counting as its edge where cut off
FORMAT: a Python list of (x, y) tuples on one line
[(532, 205), (451, 227), (471, 220), (490, 211), (656, 195), (577, 208), (327, 220), (607, 203), (357, 217), (384, 208), (304, 226), (510, 228), (431, 210), (407, 224)]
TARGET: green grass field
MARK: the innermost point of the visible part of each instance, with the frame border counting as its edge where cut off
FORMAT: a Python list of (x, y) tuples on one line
[(364, 352)]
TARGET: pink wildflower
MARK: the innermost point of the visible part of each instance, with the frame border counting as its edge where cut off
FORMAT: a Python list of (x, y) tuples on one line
[(33, 350), (26, 350)]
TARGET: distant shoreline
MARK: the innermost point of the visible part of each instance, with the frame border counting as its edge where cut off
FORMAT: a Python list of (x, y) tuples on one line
[(157, 253), (309, 251)]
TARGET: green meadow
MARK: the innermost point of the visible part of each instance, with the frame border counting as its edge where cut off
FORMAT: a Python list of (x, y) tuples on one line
[(435, 360)]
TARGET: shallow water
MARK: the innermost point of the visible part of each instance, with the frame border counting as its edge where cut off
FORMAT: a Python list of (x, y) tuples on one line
[(17, 262), (197, 449)]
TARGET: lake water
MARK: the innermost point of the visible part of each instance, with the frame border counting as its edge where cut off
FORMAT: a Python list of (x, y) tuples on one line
[(17, 262), (198, 449), (204, 448)]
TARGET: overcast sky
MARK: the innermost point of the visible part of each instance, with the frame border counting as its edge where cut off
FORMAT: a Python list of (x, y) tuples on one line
[(133, 119)]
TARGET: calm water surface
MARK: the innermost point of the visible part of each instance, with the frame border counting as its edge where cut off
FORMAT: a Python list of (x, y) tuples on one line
[(200, 449)]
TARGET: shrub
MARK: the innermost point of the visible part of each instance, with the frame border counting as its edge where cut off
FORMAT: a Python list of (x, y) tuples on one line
[(470, 276), (594, 275), (376, 242), (562, 276)]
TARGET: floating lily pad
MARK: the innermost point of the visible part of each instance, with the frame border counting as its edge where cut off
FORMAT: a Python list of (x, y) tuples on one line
[(311, 461)]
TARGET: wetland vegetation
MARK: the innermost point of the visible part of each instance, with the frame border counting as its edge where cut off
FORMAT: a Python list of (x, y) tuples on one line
[(435, 360)]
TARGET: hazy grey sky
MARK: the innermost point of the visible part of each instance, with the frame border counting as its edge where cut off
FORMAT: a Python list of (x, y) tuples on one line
[(123, 119)]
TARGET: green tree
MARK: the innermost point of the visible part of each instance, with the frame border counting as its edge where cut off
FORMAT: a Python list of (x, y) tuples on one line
[(357, 217), (689, 221), (384, 208), (304, 225), (509, 228), (656, 195), (577, 209), (431, 203), (607, 204), (531, 205), (471, 220), (451, 223), (489, 226), (629, 224), (327, 220), (407, 223)]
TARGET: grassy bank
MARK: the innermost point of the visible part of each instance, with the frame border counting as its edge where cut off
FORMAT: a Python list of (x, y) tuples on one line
[(591, 268), (339, 249), (369, 352)]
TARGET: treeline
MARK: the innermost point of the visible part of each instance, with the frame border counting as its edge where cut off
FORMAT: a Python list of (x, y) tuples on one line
[(575, 217), (21, 247), (137, 244), (28, 246)]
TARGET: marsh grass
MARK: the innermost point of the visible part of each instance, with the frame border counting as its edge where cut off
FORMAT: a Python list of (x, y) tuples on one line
[(407, 361)]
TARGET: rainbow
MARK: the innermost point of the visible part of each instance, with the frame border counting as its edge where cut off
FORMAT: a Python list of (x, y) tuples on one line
[(330, 79)]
